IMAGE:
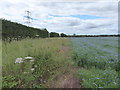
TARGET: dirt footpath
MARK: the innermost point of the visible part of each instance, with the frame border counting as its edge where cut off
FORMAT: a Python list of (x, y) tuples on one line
[(67, 80)]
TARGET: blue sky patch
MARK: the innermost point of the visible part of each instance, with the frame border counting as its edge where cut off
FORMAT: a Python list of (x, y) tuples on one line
[(81, 16)]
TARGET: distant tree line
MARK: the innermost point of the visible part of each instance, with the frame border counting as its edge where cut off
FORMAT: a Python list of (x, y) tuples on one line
[(12, 30), (15, 31), (54, 34), (63, 35), (93, 35)]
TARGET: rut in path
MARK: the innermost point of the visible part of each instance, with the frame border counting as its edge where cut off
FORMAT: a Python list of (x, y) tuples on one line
[(67, 80)]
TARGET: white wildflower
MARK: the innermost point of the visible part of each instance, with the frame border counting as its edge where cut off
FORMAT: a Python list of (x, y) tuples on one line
[(35, 66), (32, 69), (19, 60), (31, 60), (36, 35), (25, 72), (28, 58)]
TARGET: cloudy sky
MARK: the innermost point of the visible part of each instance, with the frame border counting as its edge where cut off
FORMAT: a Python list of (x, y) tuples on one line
[(70, 17)]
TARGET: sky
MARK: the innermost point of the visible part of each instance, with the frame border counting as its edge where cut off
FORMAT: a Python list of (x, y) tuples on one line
[(81, 17)]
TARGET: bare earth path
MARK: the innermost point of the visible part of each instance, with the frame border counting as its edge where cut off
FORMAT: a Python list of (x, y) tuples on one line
[(67, 80)]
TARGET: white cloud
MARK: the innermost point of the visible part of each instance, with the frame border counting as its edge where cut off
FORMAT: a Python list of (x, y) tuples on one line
[(14, 10)]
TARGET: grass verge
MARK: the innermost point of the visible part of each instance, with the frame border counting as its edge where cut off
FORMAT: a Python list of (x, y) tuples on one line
[(48, 58)]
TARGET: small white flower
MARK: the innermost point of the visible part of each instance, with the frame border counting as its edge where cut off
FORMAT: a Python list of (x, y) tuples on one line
[(36, 35), (28, 58), (35, 66), (32, 69), (19, 60), (25, 72), (31, 60)]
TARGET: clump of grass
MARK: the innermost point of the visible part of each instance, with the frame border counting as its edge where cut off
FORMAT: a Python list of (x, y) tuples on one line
[(47, 59)]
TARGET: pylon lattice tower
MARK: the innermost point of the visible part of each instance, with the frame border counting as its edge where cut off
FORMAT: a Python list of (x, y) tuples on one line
[(28, 19)]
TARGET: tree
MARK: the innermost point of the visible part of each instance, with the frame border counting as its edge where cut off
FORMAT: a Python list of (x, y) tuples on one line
[(74, 34), (12, 30), (54, 34), (63, 35)]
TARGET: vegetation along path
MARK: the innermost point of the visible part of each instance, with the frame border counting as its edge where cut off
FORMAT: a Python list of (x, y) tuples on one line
[(52, 65), (68, 78)]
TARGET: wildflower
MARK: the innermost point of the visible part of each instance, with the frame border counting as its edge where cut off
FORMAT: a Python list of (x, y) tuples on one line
[(102, 56), (44, 81), (25, 72), (37, 35), (100, 87), (19, 60), (98, 78), (83, 79), (32, 69), (31, 60), (35, 66), (28, 58)]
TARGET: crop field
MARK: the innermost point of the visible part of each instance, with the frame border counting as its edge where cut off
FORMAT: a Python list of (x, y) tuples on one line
[(97, 58)]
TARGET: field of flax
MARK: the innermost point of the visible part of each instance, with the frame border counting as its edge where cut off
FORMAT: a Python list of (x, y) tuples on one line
[(97, 58), (47, 62)]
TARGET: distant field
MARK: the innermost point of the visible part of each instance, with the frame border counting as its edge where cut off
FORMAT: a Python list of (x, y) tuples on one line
[(97, 58)]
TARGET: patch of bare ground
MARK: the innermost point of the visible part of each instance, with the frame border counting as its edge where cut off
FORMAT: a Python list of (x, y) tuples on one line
[(67, 79)]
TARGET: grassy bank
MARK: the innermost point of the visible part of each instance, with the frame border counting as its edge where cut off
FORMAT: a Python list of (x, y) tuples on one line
[(48, 59)]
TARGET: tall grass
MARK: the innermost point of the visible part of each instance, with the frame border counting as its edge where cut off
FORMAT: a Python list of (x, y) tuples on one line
[(48, 59), (0, 64)]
